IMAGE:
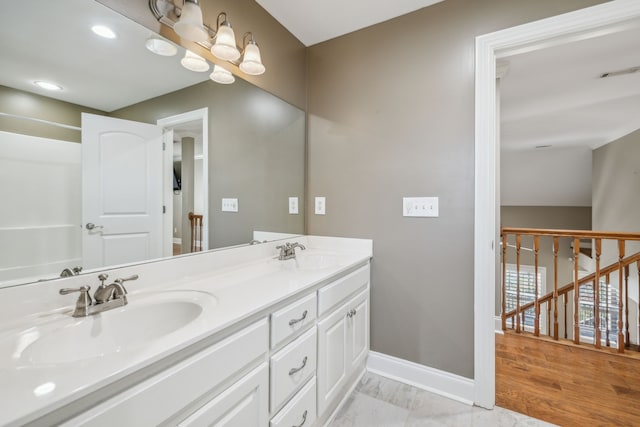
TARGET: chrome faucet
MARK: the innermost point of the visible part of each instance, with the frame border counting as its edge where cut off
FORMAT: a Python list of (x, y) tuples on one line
[(68, 272), (288, 250), (256, 242), (105, 297)]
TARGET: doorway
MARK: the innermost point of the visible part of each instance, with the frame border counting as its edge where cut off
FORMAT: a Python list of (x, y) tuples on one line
[(186, 160), (582, 24)]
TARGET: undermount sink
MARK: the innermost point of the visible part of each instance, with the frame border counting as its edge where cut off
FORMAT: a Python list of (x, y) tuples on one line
[(315, 261), (146, 319)]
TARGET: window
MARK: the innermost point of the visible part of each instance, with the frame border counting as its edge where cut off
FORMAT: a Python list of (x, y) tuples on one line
[(527, 291), (608, 313)]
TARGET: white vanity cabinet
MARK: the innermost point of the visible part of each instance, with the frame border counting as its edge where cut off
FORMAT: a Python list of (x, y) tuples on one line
[(343, 336), (198, 384)]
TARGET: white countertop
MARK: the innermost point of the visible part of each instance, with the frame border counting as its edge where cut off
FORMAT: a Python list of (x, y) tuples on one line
[(244, 282)]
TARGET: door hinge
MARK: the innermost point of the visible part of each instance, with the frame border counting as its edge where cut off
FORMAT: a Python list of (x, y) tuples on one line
[(164, 209), (164, 146)]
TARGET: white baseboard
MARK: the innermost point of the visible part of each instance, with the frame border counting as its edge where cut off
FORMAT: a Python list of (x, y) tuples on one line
[(498, 327), (430, 379)]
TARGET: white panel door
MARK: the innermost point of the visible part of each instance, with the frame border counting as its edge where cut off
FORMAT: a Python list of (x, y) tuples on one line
[(121, 191)]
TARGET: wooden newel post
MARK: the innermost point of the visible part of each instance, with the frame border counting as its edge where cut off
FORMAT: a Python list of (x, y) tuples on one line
[(536, 249), (620, 291), (576, 291), (596, 295), (556, 247), (518, 246), (504, 282)]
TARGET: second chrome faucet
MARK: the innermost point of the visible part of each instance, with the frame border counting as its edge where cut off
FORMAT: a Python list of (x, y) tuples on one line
[(105, 297), (288, 250)]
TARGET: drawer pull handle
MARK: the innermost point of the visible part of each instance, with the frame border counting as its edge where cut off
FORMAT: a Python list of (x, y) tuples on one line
[(294, 370), (304, 419), (352, 313), (294, 321)]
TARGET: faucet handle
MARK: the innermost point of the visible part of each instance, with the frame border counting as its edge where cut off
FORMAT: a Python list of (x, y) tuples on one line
[(126, 279), (65, 291)]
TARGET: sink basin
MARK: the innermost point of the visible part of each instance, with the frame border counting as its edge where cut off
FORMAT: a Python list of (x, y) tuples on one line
[(315, 261), (146, 319)]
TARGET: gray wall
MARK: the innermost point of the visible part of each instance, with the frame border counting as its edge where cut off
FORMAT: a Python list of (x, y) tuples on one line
[(256, 154), (557, 217), (616, 178), (13, 101), (391, 114)]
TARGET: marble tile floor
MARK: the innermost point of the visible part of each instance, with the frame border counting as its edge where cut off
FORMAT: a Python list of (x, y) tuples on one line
[(381, 402)]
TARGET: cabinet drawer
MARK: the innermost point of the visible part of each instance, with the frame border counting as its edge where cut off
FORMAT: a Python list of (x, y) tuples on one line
[(301, 410), (160, 397), (291, 367), (331, 295), (242, 404), (293, 318)]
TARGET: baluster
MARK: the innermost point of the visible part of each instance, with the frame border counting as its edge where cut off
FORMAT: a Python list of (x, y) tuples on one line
[(556, 247), (504, 282), (518, 245), (536, 321), (638, 264), (626, 305), (565, 300), (620, 290), (606, 307), (548, 318), (576, 291), (596, 295)]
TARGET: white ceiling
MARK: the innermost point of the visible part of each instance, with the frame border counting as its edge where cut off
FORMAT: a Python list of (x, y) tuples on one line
[(555, 97), (317, 21), (53, 41)]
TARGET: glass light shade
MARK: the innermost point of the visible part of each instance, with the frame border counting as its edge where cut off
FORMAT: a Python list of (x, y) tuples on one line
[(189, 26), (251, 61), (161, 47), (220, 75), (225, 44), (194, 62)]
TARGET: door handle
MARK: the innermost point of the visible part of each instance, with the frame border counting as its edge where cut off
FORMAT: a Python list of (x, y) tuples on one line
[(91, 226)]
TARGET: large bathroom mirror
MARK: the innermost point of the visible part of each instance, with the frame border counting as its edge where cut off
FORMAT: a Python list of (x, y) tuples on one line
[(224, 168)]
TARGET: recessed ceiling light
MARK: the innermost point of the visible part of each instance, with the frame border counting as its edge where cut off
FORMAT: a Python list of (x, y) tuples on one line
[(161, 46), (103, 31), (47, 85)]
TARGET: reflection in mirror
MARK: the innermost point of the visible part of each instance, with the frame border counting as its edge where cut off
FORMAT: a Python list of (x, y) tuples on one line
[(245, 146)]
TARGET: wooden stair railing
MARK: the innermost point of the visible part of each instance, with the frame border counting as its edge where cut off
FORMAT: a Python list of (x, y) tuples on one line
[(195, 222), (622, 266)]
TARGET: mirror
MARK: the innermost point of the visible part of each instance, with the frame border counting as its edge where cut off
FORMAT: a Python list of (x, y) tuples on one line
[(242, 147)]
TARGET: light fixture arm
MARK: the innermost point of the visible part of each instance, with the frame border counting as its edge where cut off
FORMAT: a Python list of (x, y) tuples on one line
[(225, 21), (244, 39)]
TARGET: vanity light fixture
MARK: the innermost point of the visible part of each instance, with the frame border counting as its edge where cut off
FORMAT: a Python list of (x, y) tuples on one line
[(47, 85), (104, 31), (222, 76), (224, 46), (221, 40), (190, 26), (194, 62), (161, 46), (251, 60)]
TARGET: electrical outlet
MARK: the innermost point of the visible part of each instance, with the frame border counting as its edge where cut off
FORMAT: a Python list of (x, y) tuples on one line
[(293, 205), (321, 205), (229, 205), (420, 206)]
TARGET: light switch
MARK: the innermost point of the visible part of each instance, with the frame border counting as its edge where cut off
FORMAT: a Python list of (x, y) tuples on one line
[(229, 205), (420, 206), (321, 205), (293, 205)]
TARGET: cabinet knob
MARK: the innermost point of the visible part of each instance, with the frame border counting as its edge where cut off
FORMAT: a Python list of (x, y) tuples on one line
[(352, 313)]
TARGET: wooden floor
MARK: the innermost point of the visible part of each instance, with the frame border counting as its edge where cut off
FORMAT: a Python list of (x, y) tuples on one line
[(566, 385)]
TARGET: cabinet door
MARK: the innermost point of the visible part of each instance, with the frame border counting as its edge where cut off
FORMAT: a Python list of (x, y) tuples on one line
[(358, 330), (244, 404), (333, 365)]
